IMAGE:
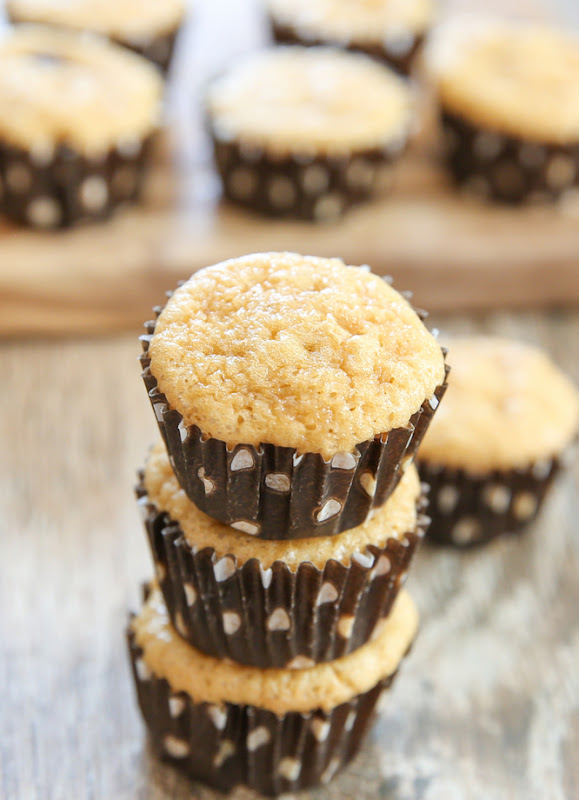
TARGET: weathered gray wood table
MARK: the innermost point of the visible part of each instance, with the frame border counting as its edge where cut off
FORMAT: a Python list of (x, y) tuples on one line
[(487, 705)]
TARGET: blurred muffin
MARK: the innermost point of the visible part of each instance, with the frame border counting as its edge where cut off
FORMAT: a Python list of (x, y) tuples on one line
[(509, 96), (273, 730), (149, 27), (76, 119), (495, 446), (291, 391), (307, 132), (276, 603), (390, 30)]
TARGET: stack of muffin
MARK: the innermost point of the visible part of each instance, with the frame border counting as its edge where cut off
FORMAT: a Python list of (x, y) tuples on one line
[(282, 510)]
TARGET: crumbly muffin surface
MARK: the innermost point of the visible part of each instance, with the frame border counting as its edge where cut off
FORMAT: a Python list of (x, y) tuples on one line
[(129, 19), (393, 520), (292, 99), (324, 686), (359, 21), (521, 80), (295, 351), (75, 90), (506, 406)]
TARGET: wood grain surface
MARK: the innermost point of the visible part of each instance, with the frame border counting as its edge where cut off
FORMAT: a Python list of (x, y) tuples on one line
[(455, 252), (486, 707)]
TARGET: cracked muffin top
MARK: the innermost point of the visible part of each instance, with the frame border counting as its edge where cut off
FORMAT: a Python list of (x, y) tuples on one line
[(295, 351)]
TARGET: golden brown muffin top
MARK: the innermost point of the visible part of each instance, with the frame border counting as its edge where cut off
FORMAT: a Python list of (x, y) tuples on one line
[(507, 405), (295, 351), (130, 20), (74, 89), (393, 520), (324, 686), (358, 21), (519, 79), (318, 100)]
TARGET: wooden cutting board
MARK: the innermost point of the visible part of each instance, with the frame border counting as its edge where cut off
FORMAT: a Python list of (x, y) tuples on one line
[(454, 253)]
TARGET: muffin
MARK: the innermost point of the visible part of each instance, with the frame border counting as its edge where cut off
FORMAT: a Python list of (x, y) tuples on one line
[(493, 451), (148, 27), (276, 603), (273, 730), (306, 132), (76, 119), (509, 97), (389, 30), (291, 391)]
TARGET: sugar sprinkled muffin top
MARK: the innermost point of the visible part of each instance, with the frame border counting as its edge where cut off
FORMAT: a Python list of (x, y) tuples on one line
[(130, 19), (73, 89), (312, 99), (295, 351), (324, 686), (506, 406), (392, 521), (520, 79), (359, 21)]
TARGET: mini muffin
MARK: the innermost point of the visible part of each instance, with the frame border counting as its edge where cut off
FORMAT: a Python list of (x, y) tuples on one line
[(148, 27), (291, 391), (76, 118), (307, 132), (276, 603), (494, 449), (390, 30), (509, 95), (273, 730)]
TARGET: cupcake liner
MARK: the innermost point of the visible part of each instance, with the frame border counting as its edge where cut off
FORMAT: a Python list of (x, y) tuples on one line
[(398, 51), (316, 188), (274, 493), (61, 188), (157, 49), (494, 166), (231, 745), (468, 510), (277, 617)]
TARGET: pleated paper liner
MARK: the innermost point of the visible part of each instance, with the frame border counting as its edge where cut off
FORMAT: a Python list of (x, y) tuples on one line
[(469, 510), (274, 492), (275, 617), (317, 188), (495, 166), (59, 188), (398, 51), (232, 745)]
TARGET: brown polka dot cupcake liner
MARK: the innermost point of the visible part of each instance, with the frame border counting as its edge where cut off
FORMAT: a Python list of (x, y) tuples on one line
[(399, 50), (275, 617), (60, 188), (158, 49), (494, 166), (232, 745), (315, 188), (274, 492), (467, 510)]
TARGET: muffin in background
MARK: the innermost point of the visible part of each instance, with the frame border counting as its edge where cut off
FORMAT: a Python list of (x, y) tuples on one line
[(389, 30), (149, 27), (496, 444), (273, 730), (276, 603), (77, 115), (291, 391), (307, 132), (509, 99)]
